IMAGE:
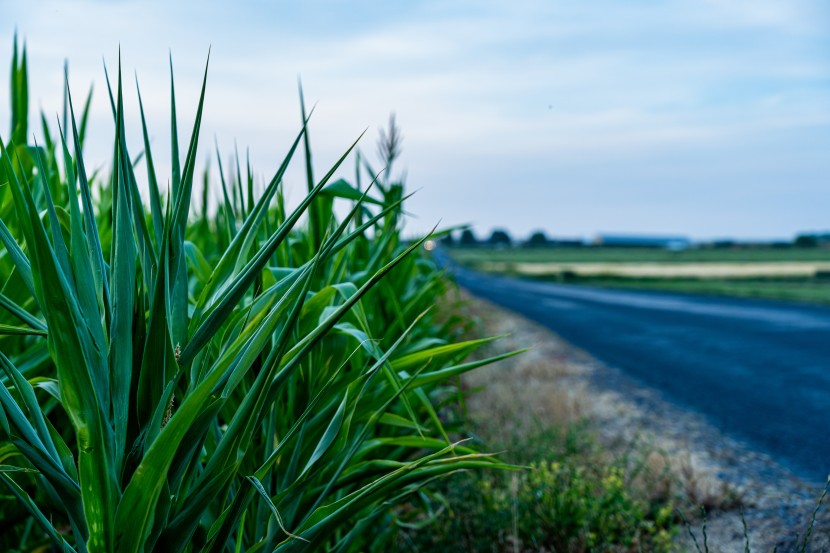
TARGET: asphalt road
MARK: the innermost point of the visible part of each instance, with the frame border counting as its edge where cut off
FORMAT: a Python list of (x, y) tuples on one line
[(759, 370)]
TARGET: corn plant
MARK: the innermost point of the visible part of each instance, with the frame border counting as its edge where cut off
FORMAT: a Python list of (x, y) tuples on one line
[(179, 378)]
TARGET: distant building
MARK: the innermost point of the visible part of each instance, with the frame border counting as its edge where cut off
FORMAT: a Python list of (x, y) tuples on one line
[(567, 242), (639, 241)]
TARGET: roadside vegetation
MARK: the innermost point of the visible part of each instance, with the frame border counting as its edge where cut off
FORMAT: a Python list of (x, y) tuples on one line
[(572, 497), (579, 492), (200, 370)]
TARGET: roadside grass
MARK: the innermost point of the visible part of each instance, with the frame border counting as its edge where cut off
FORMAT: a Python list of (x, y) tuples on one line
[(572, 497), (578, 493), (575, 441)]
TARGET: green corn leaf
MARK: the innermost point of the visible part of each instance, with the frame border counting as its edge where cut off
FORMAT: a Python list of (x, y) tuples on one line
[(123, 263), (19, 96), (158, 362), (342, 189), (16, 254), (238, 287), (174, 138), (391, 419), (59, 247), (313, 527), (238, 247), (407, 362), (21, 314), (84, 114), (9, 330), (260, 489), (230, 215), (91, 227), (235, 510), (328, 436), (85, 282), (315, 223), (141, 495), (36, 513), (182, 203), (81, 381), (241, 427), (37, 441), (440, 375), (155, 198)]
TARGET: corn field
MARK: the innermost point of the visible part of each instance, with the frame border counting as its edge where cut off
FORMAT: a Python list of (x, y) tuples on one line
[(245, 378)]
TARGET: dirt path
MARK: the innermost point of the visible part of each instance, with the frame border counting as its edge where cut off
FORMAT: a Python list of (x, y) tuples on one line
[(558, 383)]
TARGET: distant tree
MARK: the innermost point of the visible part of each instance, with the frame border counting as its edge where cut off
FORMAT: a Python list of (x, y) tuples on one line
[(537, 239), (447, 240), (467, 238), (499, 238), (805, 241)]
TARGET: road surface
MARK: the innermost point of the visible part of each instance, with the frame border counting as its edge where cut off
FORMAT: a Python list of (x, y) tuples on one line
[(759, 370)]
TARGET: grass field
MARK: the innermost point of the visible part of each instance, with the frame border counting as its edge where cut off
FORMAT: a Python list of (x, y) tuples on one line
[(794, 274), (639, 255), (811, 290)]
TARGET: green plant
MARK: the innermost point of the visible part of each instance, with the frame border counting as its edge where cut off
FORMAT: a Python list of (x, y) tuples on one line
[(571, 498), (582, 508), (176, 379)]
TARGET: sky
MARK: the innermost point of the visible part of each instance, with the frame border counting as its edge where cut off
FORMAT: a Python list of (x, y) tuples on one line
[(705, 118)]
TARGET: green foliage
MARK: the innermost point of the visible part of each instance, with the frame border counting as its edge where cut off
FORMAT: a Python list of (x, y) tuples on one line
[(806, 241), (499, 238), (177, 379), (537, 240), (575, 507), (570, 499)]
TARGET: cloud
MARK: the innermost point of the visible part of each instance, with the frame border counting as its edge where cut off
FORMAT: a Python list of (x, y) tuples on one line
[(602, 96)]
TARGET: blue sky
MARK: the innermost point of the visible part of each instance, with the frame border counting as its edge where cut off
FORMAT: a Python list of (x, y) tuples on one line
[(709, 118)]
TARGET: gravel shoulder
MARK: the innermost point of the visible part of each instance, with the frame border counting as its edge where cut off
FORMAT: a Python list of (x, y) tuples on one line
[(555, 383)]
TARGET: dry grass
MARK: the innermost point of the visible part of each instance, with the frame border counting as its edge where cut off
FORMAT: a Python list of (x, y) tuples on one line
[(702, 486)]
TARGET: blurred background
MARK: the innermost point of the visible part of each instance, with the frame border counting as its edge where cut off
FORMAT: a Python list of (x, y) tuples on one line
[(698, 119)]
